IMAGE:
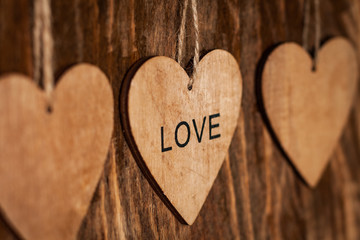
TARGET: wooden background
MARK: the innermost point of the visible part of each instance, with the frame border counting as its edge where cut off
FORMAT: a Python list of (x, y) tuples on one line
[(257, 195)]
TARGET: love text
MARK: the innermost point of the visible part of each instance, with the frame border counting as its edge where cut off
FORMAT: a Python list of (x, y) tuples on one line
[(199, 134)]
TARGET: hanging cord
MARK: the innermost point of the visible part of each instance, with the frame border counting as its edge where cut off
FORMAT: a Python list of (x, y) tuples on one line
[(317, 32), (181, 35), (43, 47), (305, 35), (181, 38)]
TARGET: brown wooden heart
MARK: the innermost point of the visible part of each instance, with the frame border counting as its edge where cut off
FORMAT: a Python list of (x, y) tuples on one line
[(50, 163), (180, 137), (308, 109)]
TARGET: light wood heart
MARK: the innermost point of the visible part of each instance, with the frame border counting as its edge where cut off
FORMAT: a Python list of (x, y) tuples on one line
[(168, 127), (308, 109), (50, 163)]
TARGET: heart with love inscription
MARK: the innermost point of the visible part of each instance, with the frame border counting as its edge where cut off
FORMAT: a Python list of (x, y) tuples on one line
[(308, 110), (51, 162), (180, 137)]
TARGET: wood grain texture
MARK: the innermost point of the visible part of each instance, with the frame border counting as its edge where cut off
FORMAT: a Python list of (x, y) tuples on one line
[(257, 194), (308, 108), (51, 161), (179, 136)]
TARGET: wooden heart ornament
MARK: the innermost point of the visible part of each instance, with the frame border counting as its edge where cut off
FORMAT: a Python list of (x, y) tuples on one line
[(50, 163), (308, 109), (180, 137)]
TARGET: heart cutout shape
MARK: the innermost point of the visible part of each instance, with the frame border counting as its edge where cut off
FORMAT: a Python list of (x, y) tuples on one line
[(168, 127), (50, 163), (308, 109)]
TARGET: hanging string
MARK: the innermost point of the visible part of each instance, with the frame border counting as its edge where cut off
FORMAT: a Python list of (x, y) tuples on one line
[(181, 35), (305, 33), (181, 38), (317, 31), (305, 36), (43, 46), (196, 54), (36, 41)]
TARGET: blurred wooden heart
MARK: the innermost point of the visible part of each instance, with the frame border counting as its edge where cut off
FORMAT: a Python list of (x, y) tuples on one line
[(50, 163), (179, 137), (308, 109)]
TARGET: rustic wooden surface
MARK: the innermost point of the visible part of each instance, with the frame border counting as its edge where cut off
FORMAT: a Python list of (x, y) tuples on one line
[(257, 195)]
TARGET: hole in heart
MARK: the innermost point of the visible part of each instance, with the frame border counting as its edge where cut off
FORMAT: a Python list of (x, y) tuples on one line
[(190, 70), (313, 69), (49, 109), (189, 87)]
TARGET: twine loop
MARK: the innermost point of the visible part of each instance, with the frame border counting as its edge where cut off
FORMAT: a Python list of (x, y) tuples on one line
[(305, 36), (43, 47), (181, 38)]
